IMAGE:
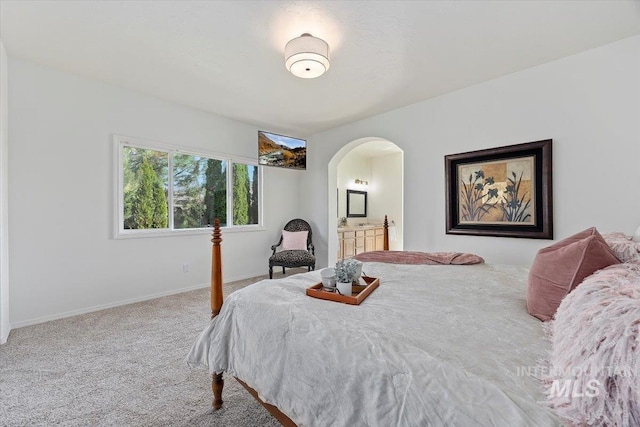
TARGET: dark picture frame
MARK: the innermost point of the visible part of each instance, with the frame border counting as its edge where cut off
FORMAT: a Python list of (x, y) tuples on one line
[(356, 204), (504, 191)]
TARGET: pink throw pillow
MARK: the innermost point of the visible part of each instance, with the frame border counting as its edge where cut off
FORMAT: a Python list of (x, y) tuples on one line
[(294, 240), (559, 268)]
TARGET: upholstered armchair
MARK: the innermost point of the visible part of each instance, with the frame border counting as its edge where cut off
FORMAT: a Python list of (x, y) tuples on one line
[(297, 248)]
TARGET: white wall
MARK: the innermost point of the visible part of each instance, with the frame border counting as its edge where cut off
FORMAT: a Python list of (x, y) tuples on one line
[(5, 326), (62, 254), (353, 166), (386, 192), (588, 103)]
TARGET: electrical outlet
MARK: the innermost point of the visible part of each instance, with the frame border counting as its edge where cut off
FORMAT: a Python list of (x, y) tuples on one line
[(185, 267)]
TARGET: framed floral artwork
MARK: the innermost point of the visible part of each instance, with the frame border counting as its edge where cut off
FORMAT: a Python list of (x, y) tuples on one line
[(504, 191)]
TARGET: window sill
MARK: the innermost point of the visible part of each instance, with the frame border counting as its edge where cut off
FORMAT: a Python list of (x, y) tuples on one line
[(140, 234)]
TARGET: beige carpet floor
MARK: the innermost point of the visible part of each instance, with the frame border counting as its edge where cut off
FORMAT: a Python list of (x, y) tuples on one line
[(120, 367)]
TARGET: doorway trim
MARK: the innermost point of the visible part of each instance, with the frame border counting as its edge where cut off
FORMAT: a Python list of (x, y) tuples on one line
[(332, 184), (5, 327)]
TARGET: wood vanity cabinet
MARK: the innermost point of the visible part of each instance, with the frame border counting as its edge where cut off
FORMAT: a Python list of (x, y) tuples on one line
[(346, 244), (379, 238), (369, 240), (352, 241)]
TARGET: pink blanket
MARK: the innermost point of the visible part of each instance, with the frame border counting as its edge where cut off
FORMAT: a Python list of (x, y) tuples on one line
[(410, 257)]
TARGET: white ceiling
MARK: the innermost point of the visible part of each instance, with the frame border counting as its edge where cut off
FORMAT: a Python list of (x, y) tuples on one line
[(226, 57)]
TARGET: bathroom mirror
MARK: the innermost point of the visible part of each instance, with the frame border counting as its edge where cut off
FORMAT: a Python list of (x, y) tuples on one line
[(356, 204)]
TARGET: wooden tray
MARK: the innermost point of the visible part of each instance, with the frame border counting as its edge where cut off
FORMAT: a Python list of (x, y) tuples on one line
[(359, 292)]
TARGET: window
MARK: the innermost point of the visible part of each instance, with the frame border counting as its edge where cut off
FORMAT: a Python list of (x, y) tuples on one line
[(245, 194), (163, 189), (199, 191), (145, 183)]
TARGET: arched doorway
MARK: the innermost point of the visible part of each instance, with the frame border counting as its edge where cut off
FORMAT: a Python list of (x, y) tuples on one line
[(382, 162)]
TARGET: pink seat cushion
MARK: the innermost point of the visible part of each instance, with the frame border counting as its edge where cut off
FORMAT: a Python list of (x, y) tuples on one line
[(559, 268), (294, 240)]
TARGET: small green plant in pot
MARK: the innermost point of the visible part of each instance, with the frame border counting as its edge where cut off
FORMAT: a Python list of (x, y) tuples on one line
[(347, 272)]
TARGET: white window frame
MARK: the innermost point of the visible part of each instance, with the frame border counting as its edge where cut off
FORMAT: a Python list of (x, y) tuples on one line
[(119, 142)]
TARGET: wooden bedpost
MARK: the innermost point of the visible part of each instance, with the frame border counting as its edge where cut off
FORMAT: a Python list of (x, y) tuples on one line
[(386, 234), (216, 270), (217, 383)]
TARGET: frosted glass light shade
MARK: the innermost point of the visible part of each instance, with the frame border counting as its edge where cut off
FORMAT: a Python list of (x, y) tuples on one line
[(306, 56)]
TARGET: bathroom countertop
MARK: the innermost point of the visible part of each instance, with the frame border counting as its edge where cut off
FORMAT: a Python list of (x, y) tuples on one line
[(359, 227)]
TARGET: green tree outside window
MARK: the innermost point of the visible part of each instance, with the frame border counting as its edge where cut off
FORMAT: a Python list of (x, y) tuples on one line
[(198, 190)]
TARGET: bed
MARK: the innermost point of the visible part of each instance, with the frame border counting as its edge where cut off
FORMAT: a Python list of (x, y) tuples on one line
[(433, 345)]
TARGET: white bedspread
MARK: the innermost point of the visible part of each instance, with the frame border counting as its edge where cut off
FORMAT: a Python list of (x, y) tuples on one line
[(432, 346)]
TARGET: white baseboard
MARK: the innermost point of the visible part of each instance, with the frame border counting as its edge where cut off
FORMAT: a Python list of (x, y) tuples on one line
[(5, 331), (71, 313), (104, 306), (3, 338)]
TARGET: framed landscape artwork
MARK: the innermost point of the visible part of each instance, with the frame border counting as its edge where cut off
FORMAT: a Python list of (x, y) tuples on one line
[(504, 191), (281, 151)]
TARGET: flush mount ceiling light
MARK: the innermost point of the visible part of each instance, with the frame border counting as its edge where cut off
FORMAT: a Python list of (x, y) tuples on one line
[(306, 56)]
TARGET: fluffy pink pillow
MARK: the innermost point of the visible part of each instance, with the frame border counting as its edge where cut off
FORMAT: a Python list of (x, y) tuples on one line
[(623, 246), (294, 240), (594, 343), (559, 268)]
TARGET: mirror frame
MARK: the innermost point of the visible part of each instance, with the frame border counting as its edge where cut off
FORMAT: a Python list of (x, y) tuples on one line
[(356, 214)]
